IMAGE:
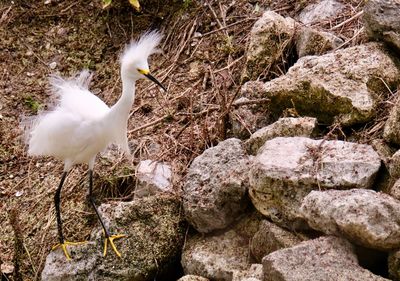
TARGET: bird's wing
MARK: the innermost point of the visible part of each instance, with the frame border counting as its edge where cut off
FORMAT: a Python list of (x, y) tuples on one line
[(76, 98)]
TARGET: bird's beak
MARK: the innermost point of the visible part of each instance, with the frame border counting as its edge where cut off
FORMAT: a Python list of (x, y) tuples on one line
[(135, 4), (152, 78)]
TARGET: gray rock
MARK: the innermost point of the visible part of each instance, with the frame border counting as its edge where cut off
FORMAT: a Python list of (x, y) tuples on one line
[(394, 265), (323, 259), (270, 238), (269, 38), (364, 217), (214, 193), (391, 131), (153, 177), (284, 127), (155, 233), (395, 190), (323, 10), (254, 273), (244, 120), (341, 85), (381, 21), (286, 169), (313, 42), (193, 278), (393, 165), (220, 256)]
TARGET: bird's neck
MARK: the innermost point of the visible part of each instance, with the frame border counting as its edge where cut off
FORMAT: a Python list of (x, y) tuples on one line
[(120, 111)]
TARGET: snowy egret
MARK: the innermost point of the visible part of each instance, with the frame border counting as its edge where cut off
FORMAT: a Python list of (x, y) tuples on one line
[(82, 125)]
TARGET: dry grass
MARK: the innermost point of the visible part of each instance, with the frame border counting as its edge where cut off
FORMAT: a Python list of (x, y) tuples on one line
[(201, 65)]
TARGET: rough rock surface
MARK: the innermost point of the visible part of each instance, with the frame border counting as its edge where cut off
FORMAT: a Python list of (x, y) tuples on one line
[(220, 256), (391, 131), (381, 21), (193, 278), (285, 170), (365, 217), (270, 238), (254, 273), (313, 42), (155, 233), (393, 165), (269, 35), (394, 190), (153, 177), (214, 192), (320, 11), (323, 259), (394, 265), (284, 127), (340, 85)]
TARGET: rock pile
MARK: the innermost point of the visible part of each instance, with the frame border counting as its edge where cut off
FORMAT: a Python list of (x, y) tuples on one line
[(285, 204)]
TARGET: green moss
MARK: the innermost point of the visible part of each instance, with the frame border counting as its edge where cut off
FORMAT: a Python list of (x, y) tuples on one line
[(32, 104)]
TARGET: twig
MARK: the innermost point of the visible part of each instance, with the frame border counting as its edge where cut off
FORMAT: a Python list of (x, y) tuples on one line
[(351, 39), (18, 244), (155, 122), (346, 21)]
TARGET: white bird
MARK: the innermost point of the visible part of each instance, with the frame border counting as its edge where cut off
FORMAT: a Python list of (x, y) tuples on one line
[(82, 125)]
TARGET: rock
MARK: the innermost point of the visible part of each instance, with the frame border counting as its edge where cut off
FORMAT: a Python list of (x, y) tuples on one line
[(391, 131), (313, 42), (254, 273), (285, 170), (193, 278), (155, 234), (324, 10), (220, 256), (381, 21), (395, 190), (323, 259), (393, 165), (270, 37), (394, 265), (341, 85), (244, 120), (153, 177), (270, 238), (364, 217), (214, 193), (284, 127)]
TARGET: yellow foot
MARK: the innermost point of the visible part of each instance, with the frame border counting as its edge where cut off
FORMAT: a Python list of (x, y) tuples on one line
[(111, 240), (64, 245)]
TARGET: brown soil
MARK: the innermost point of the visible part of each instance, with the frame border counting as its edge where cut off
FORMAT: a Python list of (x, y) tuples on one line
[(201, 65)]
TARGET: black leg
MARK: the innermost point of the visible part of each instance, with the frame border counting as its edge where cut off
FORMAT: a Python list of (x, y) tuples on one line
[(57, 199), (91, 198)]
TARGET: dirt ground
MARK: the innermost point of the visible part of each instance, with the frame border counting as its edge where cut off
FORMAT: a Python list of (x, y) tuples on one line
[(201, 64)]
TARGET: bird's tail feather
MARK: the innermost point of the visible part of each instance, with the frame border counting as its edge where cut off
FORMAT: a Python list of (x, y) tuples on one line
[(61, 85)]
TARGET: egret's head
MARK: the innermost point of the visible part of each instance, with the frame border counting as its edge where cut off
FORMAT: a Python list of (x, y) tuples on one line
[(134, 64)]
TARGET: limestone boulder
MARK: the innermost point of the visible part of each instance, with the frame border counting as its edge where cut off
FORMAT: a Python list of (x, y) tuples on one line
[(323, 259), (223, 255), (153, 177), (342, 85), (285, 170), (364, 217), (320, 11), (270, 238), (381, 21), (314, 42), (284, 127), (391, 131), (270, 36), (155, 231), (215, 190)]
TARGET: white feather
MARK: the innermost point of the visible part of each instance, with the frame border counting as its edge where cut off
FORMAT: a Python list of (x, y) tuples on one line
[(81, 125)]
